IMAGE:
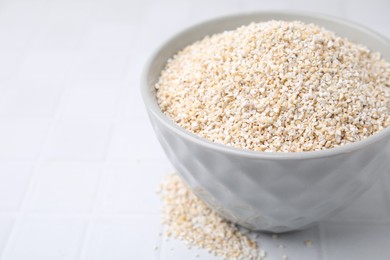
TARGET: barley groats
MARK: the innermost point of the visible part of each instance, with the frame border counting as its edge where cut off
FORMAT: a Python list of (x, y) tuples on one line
[(277, 86), (191, 220)]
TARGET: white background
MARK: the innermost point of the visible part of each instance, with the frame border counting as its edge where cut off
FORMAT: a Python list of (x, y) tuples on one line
[(79, 163)]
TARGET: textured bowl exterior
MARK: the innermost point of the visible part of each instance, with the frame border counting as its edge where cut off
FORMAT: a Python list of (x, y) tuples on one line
[(268, 191), (273, 195)]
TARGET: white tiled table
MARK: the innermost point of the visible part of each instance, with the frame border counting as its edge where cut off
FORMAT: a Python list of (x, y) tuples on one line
[(79, 163)]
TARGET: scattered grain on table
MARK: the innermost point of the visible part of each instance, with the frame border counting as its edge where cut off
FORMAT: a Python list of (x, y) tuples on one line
[(191, 220)]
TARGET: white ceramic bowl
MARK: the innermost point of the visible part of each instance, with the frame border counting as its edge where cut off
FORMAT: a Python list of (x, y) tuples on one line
[(268, 191)]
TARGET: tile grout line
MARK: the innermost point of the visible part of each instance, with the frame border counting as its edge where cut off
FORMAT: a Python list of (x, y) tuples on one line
[(32, 183), (92, 217), (82, 251), (33, 178), (41, 158), (163, 242), (160, 242), (83, 215), (99, 195), (103, 178), (100, 190)]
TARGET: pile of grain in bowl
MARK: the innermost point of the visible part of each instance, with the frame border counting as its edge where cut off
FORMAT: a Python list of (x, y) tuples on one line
[(277, 87)]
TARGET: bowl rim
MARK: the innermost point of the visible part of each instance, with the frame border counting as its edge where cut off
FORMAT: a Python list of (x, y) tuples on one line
[(154, 109)]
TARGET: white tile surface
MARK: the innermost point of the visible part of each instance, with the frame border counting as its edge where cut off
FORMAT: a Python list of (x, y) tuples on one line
[(22, 139), (134, 140), (120, 11), (6, 224), (31, 98), (332, 7), (9, 63), (124, 238), (65, 27), (46, 239), (131, 187), (79, 163), (43, 65), (20, 22), (362, 240), (102, 36), (95, 66), (293, 245), (131, 101), (268, 5), (102, 100), (65, 188), (173, 249), (14, 179), (79, 140)]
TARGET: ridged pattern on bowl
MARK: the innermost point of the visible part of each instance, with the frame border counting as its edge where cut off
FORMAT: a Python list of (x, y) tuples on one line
[(266, 192), (269, 194)]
